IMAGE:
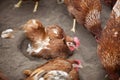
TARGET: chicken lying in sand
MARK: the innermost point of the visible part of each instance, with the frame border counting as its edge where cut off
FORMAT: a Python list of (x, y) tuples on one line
[(20, 2), (57, 69), (109, 44), (87, 13), (49, 42)]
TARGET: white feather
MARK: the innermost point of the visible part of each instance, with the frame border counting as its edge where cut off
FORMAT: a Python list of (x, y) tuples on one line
[(55, 31), (7, 33), (41, 45)]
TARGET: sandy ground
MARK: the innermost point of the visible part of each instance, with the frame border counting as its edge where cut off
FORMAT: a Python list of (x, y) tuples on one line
[(12, 58)]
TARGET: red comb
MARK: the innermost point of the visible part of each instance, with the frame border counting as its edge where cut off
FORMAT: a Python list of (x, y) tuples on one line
[(76, 40), (77, 61)]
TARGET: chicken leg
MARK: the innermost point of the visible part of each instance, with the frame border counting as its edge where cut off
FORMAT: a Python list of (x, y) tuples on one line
[(36, 6), (18, 4), (74, 24)]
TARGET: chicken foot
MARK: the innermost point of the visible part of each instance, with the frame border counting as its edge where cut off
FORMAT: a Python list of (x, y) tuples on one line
[(36, 6), (74, 24), (18, 4)]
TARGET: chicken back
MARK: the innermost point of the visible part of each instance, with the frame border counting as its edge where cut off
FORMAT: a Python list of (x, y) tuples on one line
[(109, 44), (57, 69)]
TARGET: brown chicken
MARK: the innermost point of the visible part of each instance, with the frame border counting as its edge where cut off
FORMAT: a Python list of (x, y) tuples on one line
[(109, 44), (87, 13), (2, 76), (49, 42), (110, 3), (57, 69), (36, 4)]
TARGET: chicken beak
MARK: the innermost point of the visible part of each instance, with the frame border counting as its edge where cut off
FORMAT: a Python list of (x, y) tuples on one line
[(77, 66), (76, 48), (80, 66)]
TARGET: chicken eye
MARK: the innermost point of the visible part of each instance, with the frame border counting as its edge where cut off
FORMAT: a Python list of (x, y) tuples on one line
[(70, 43)]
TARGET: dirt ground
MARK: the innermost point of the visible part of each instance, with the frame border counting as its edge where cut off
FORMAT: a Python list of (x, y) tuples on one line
[(12, 58)]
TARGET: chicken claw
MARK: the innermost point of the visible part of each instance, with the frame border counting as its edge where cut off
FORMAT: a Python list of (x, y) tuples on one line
[(18, 4), (36, 6), (74, 24)]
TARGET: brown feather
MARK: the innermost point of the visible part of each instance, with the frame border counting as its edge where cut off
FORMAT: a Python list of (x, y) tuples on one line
[(57, 64), (87, 13), (47, 42), (109, 45)]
